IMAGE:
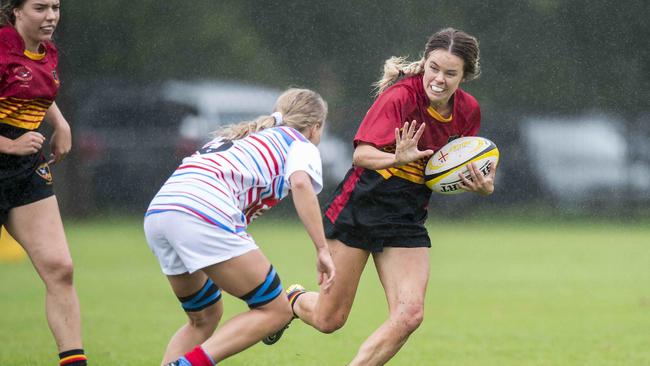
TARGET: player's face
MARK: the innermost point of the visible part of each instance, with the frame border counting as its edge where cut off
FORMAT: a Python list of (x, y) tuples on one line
[(36, 21), (443, 72)]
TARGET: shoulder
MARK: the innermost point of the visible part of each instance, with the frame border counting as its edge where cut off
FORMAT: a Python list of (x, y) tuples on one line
[(303, 153), (10, 40), (404, 96), (407, 89), (466, 107), (288, 133), (51, 51), (466, 101), (300, 145)]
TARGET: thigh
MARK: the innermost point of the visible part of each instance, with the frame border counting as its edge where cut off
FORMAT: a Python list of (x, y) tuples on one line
[(349, 263), (197, 243), (38, 228), (188, 284), (170, 262), (240, 275), (404, 274)]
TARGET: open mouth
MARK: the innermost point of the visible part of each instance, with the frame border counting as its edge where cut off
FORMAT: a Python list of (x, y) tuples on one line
[(436, 89)]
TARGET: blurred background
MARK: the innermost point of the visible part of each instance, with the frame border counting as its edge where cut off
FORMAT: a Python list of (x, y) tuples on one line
[(552, 269), (565, 91)]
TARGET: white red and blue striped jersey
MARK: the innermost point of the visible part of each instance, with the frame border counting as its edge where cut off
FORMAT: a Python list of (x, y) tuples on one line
[(229, 183)]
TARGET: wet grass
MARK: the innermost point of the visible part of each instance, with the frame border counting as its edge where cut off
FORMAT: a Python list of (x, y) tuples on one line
[(512, 292)]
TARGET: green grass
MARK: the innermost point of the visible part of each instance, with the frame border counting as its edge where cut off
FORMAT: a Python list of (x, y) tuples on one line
[(500, 293)]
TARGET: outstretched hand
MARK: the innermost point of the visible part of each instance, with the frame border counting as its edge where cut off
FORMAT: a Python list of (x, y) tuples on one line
[(326, 269), (406, 144)]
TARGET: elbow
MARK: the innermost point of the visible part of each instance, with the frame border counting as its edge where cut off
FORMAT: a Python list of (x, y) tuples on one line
[(299, 185), (357, 159), (300, 182)]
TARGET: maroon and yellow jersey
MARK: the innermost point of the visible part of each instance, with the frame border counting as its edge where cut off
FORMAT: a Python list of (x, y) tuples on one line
[(28, 81), (394, 201), (28, 86), (407, 101)]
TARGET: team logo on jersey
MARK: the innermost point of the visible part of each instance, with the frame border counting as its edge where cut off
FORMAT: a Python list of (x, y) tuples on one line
[(44, 172), (23, 73)]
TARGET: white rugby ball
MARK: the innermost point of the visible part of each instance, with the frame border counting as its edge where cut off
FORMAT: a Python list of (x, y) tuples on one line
[(442, 169)]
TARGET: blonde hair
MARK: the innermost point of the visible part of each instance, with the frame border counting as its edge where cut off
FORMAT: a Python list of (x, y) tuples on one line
[(455, 41), (300, 108)]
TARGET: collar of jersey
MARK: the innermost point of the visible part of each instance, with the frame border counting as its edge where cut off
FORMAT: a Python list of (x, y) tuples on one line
[(438, 117), (34, 56)]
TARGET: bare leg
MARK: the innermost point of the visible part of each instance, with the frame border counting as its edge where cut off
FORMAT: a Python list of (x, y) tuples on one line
[(201, 324), (404, 273), (239, 276), (39, 229), (329, 311)]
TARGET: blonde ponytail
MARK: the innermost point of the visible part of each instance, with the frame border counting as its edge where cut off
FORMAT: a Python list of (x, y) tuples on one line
[(243, 129), (300, 109), (395, 68)]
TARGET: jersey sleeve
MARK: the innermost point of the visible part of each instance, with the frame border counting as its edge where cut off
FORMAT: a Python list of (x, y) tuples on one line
[(304, 156), (389, 111)]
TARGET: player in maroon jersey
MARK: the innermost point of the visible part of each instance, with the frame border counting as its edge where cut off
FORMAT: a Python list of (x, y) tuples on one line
[(381, 206), (28, 207)]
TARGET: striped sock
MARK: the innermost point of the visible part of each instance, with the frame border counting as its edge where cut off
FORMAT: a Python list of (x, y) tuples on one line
[(73, 357), (198, 357), (293, 297)]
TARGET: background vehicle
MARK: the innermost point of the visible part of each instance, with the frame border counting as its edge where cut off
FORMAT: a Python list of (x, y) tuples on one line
[(130, 137)]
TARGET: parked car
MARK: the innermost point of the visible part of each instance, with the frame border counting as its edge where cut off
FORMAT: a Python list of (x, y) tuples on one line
[(129, 138), (589, 160)]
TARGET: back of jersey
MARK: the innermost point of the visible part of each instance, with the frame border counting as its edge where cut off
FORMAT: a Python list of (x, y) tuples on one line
[(229, 182)]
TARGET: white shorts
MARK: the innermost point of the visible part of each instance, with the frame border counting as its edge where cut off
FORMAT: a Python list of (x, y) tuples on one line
[(185, 243)]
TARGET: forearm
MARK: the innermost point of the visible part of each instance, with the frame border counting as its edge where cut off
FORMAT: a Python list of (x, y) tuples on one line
[(6, 145), (55, 118), (369, 157), (309, 213)]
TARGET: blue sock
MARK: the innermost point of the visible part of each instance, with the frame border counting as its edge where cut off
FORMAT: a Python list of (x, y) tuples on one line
[(184, 362)]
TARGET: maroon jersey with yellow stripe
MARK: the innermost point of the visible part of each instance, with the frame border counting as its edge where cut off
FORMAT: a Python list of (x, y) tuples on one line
[(28, 86), (394, 201)]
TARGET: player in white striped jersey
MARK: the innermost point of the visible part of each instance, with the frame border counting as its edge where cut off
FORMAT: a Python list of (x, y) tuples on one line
[(196, 226)]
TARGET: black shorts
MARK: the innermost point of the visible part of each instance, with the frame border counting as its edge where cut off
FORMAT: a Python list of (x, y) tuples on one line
[(374, 242), (15, 192), (370, 212)]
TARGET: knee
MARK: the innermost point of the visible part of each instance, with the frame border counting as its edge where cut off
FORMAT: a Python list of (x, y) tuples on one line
[(284, 315), (58, 272), (205, 321), (408, 317), (331, 322)]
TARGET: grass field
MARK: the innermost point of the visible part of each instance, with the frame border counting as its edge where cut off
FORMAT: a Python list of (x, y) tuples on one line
[(501, 293)]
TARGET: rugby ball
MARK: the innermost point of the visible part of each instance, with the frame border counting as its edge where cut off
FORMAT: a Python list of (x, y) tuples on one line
[(442, 169)]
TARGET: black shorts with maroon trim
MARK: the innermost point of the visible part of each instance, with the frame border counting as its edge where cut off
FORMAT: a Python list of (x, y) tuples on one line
[(23, 190), (370, 212)]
